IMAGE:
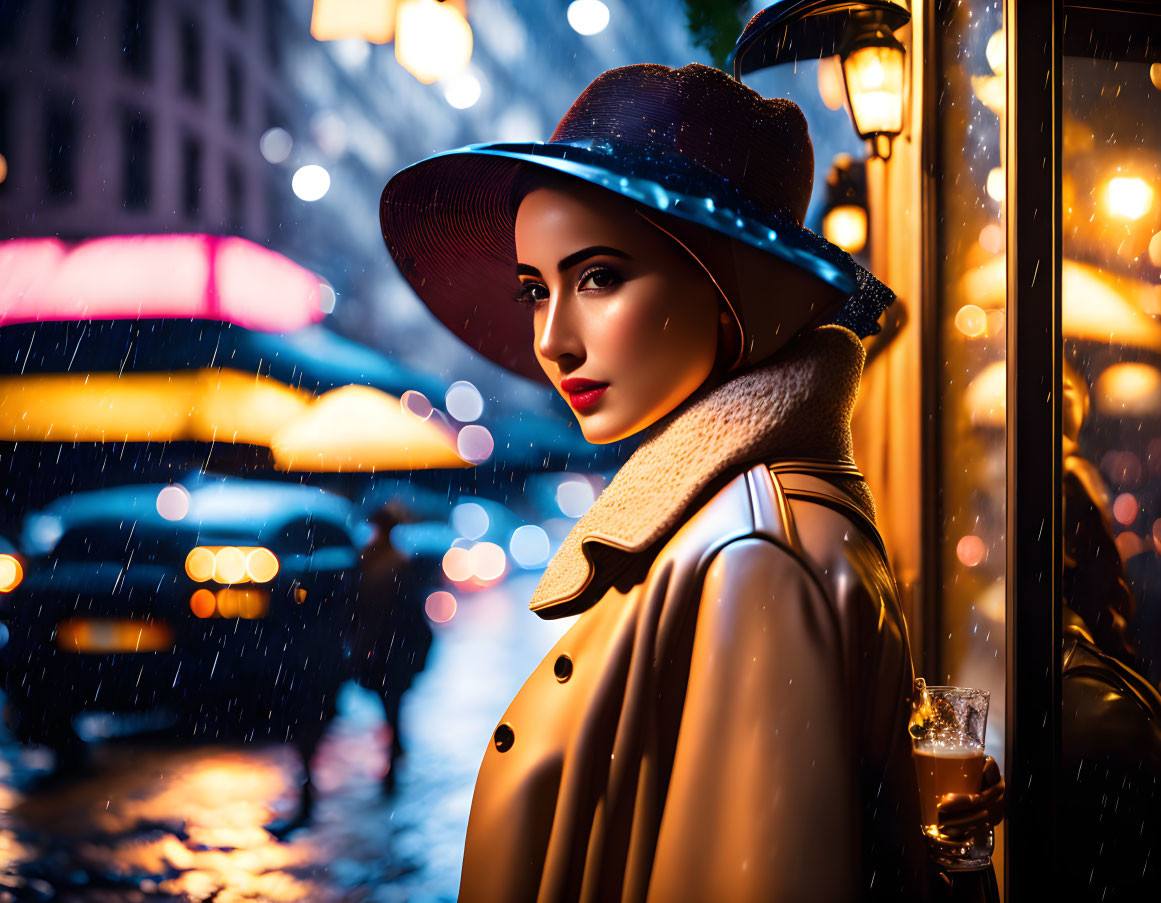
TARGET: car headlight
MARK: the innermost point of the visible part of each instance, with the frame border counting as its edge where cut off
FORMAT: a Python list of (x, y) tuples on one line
[(231, 564)]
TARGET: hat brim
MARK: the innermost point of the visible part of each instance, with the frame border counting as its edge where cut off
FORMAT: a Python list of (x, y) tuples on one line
[(449, 226)]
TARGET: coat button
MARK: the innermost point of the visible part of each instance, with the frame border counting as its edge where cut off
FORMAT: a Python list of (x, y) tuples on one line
[(563, 668), (504, 737)]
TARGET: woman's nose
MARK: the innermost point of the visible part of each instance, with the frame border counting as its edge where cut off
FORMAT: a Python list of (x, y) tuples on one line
[(559, 337)]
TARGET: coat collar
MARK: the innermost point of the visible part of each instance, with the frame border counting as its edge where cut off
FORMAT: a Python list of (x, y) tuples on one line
[(796, 406)]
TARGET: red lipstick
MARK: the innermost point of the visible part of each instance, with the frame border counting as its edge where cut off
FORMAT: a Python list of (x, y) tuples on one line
[(583, 393)]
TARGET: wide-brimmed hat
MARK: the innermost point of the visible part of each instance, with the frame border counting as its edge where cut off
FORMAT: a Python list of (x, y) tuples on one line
[(692, 144)]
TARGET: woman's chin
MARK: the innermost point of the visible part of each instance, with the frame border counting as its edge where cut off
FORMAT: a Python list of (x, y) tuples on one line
[(600, 429)]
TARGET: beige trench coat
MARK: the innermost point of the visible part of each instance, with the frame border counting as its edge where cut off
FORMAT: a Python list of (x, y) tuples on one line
[(726, 720)]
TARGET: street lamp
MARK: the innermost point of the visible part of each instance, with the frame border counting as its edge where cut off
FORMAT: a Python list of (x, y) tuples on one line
[(860, 32), (872, 61)]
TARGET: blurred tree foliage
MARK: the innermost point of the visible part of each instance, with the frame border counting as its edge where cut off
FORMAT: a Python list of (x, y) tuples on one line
[(715, 26)]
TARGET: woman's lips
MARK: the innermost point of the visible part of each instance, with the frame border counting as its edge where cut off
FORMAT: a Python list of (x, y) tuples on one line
[(583, 393)]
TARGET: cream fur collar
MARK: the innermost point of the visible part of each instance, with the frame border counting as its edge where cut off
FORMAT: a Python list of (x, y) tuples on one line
[(797, 406)]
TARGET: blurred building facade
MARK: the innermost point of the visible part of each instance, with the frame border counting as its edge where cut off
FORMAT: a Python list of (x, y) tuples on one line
[(143, 116)]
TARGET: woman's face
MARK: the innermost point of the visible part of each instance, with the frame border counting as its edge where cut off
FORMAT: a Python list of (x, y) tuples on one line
[(626, 325)]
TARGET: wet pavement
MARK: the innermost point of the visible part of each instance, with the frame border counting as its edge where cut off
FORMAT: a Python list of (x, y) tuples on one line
[(153, 821)]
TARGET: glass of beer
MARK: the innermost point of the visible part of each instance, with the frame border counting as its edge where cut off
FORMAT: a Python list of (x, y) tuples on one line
[(947, 744)]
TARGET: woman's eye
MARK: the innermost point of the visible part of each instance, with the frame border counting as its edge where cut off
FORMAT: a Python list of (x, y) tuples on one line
[(598, 278), (532, 293)]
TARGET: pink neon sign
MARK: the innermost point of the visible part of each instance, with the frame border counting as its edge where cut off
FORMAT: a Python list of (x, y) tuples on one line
[(156, 276)]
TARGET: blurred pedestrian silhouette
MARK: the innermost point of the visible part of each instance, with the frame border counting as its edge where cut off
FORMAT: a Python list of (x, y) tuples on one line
[(390, 635)]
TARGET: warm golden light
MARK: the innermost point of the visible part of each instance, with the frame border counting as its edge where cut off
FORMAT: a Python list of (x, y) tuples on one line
[(457, 565), (261, 565), (1128, 197), (1129, 390), (846, 226), (1096, 305), (371, 20), (874, 78), (209, 405), (995, 185), (229, 565), (202, 603), (432, 40), (971, 551), (1155, 249), (106, 636), (199, 564), (3, 168), (1125, 508), (358, 428), (488, 561), (992, 238), (972, 321), (830, 82), (440, 607), (997, 52), (11, 573), (987, 396)]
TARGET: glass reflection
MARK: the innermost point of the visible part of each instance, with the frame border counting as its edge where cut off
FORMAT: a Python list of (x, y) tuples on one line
[(1111, 480)]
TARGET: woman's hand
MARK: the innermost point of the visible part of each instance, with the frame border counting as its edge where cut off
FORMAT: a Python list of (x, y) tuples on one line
[(965, 814)]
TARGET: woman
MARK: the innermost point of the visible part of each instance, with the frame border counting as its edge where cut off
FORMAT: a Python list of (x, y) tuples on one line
[(726, 720)]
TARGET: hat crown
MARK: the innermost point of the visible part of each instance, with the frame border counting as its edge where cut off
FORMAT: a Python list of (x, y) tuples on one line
[(699, 120)]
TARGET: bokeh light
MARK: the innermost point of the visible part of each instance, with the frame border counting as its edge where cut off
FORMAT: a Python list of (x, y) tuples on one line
[(1123, 468), (1130, 544), (199, 564), (529, 546), (574, 497), (229, 565), (3, 168), (456, 565), (416, 403), (1157, 535), (440, 607), (202, 603), (995, 186), (487, 561), (971, 320), (173, 502), (1128, 197), (1130, 389), (470, 520), (971, 550), (588, 17), (11, 573), (433, 40), (311, 182), (1125, 508), (276, 145), (261, 565), (464, 401), (462, 91), (992, 238), (846, 226), (475, 443)]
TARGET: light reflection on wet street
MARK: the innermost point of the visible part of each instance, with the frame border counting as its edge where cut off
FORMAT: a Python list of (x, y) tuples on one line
[(152, 821)]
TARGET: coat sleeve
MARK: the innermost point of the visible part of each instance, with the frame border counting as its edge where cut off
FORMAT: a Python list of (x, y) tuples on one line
[(762, 801)]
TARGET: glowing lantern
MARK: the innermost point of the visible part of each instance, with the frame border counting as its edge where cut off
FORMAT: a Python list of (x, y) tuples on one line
[(371, 20), (433, 40), (872, 62)]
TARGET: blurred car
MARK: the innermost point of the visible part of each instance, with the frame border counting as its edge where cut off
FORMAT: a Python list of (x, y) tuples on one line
[(218, 606)]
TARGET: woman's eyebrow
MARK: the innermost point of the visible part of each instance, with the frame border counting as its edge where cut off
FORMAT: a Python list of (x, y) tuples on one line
[(524, 269)]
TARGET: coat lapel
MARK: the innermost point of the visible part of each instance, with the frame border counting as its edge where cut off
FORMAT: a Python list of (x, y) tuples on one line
[(797, 406)]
